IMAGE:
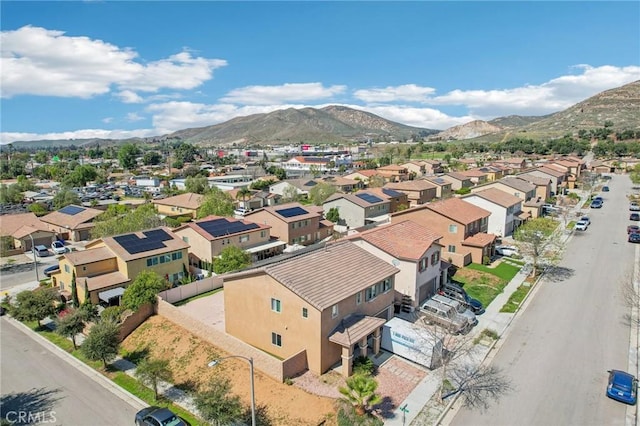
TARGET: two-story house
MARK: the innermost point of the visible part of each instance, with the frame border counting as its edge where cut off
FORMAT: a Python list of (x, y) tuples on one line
[(463, 227), (359, 209), (362, 175), (300, 187), (415, 168), (542, 184), (412, 248), (180, 205), (393, 173), (73, 223), (209, 236), (341, 184), (109, 264), (477, 176), (432, 167), (558, 178), (419, 191), (293, 223), (506, 210), (398, 200), (458, 180), (326, 306), (444, 188)]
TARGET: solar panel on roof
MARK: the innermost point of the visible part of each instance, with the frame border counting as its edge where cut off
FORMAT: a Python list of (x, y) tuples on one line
[(71, 210), (221, 227), (291, 212), (369, 198), (158, 234), (391, 192), (134, 244)]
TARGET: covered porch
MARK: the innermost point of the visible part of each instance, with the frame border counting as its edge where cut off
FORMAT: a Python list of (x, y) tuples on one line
[(354, 334)]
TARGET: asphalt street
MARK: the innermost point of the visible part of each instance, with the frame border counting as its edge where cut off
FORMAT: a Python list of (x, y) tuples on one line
[(38, 385), (574, 329)]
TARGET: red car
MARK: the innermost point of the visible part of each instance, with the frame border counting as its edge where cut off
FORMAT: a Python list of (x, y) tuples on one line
[(632, 229)]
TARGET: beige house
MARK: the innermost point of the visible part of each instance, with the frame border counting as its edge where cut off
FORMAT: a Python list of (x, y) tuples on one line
[(444, 188), (458, 180), (415, 250), (21, 228), (398, 200), (362, 175), (293, 223), (393, 173), (322, 308), (415, 168), (209, 236), (180, 205), (477, 176), (463, 227), (109, 264), (419, 191), (72, 222), (542, 184)]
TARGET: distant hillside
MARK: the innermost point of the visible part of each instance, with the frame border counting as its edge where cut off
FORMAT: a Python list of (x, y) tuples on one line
[(469, 130), (514, 121), (329, 124)]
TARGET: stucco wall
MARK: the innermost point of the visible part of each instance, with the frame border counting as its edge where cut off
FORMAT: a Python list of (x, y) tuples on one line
[(195, 288)]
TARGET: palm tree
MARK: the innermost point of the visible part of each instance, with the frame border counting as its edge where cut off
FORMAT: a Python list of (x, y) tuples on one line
[(243, 193), (361, 393)]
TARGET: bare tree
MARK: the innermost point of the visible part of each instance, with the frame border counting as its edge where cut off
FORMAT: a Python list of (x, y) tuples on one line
[(630, 293), (478, 384), (538, 240)]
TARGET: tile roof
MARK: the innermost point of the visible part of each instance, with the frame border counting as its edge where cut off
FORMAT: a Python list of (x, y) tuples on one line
[(497, 196), (534, 179), (27, 230), (404, 240), (392, 168), (103, 281), (188, 201), (327, 276), (474, 173), (174, 244), (85, 257), (550, 171), (459, 210), (354, 328), (71, 221), (411, 185), (456, 176), (517, 183), (10, 223), (196, 227), (312, 212), (480, 239), (438, 180)]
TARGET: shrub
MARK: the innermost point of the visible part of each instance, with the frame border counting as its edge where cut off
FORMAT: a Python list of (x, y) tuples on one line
[(363, 365)]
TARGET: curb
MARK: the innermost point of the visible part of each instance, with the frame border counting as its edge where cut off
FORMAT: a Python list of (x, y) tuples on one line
[(106, 383)]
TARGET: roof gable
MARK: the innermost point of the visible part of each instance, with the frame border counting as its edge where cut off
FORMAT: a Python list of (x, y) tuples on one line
[(405, 240)]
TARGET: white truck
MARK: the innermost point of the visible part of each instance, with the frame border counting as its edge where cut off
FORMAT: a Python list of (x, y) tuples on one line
[(413, 342)]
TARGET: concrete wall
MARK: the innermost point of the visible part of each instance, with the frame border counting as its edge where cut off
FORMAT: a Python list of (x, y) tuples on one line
[(195, 288), (264, 362), (134, 319)]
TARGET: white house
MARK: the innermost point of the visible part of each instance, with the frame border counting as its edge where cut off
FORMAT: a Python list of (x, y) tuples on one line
[(506, 210), (359, 209)]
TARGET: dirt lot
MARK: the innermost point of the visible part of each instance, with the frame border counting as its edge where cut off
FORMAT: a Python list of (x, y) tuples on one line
[(309, 401), (285, 404)]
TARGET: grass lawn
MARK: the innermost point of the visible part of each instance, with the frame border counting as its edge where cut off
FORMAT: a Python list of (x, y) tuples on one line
[(571, 225), (484, 283), (190, 299), (516, 299)]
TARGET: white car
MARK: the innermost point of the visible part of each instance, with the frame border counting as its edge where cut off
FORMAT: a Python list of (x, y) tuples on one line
[(582, 225), (507, 250), (585, 219), (58, 247), (634, 207)]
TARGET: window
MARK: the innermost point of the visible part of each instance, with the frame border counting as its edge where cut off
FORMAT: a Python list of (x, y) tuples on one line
[(453, 229), (162, 259), (177, 255), (276, 305), (451, 249), (66, 268), (386, 285), (422, 265), (334, 311), (263, 234), (358, 298), (244, 238), (435, 257), (185, 239), (276, 339), (305, 313), (61, 285), (370, 293)]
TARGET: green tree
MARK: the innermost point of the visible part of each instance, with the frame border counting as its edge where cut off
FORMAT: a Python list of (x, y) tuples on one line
[(80, 176), (217, 404), (127, 156), (65, 197), (144, 289), (151, 158), (141, 218), (635, 174), (376, 181), (196, 184), (333, 215), (102, 342), (70, 325), (87, 295), (152, 371), (74, 290), (38, 209), (243, 194), (320, 192), (360, 391), (216, 202), (35, 305), (536, 239), (231, 258)]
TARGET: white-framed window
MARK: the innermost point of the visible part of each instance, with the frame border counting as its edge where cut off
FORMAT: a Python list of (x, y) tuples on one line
[(305, 313), (358, 298), (422, 265), (334, 311), (61, 284), (244, 238), (276, 339), (435, 257), (386, 285), (453, 229), (451, 248), (276, 305), (370, 293), (263, 234), (66, 268)]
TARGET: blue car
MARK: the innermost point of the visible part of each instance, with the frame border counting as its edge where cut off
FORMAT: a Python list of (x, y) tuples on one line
[(51, 269), (596, 204), (622, 387)]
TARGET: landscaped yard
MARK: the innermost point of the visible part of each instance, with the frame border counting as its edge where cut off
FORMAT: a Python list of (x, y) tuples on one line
[(485, 283)]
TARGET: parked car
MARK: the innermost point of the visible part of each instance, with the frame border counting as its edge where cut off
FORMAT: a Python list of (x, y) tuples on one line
[(634, 238), (622, 387), (48, 271), (581, 225), (634, 207), (586, 219), (158, 416), (240, 211), (632, 229), (444, 316), (42, 251), (596, 204), (58, 247), (634, 216), (507, 250), (459, 307), (605, 189), (456, 292), (599, 199)]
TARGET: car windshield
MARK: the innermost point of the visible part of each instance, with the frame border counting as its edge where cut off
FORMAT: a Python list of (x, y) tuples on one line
[(622, 382), (173, 421), (58, 244)]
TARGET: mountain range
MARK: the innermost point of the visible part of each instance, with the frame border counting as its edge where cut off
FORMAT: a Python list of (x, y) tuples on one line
[(339, 124)]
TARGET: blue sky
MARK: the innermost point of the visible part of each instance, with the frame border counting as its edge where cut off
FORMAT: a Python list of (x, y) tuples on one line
[(122, 69)]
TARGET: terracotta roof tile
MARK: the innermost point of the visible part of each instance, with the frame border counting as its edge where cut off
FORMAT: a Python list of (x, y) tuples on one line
[(497, 196), (405, 240), (103, 281), (480, 239), (188, 201), (85, 257)]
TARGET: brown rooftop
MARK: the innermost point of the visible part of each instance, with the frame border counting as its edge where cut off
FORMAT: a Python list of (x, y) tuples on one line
[(10, 223), (188, 201), (459, 210), (497, 196), (411, 185), (174, 244), (406, 239), (71, 221), (480, 239), (103, 281), (85, 257)]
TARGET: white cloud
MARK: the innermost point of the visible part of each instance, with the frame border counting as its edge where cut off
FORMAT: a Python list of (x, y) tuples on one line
[(129, 97), (37, 61), (403, 93), (286, 93), (8, 137), (134, 116), (107, 120)]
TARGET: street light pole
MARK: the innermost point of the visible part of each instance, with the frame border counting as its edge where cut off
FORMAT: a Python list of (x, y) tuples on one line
[(253, 393), (35, 260)]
